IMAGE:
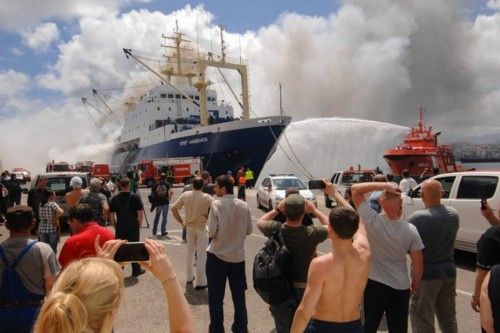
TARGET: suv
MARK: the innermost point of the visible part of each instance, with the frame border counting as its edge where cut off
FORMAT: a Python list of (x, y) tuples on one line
[(345, 179), (59, 183), (272, 190), (463, 191)]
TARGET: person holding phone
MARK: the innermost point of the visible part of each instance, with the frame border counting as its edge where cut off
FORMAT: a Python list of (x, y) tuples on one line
[(87, 295)]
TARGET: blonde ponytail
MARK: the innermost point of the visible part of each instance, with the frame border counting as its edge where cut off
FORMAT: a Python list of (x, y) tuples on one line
[(86, 292)]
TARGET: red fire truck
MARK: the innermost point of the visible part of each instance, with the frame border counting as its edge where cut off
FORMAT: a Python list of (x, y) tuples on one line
[(177, 169), (100, 170)]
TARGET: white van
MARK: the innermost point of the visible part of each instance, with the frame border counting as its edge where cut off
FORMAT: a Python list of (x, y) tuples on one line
[(463, 191)]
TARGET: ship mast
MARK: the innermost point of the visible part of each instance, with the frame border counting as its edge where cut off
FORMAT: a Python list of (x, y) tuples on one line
[(184, 67)]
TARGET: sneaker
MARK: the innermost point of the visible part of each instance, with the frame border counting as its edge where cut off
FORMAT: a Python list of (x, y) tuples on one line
[(159, 236)]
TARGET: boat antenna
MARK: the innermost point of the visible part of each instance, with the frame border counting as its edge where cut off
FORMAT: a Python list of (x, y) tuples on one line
[(282, 113)]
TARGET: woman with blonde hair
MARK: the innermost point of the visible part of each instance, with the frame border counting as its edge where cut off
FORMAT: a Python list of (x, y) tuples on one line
[(87, 295)]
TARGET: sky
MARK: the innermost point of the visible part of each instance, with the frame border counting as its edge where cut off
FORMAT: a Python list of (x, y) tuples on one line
[(362, 59)]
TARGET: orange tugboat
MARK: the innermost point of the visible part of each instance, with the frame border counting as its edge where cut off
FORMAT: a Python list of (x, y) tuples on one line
[(420, 151)]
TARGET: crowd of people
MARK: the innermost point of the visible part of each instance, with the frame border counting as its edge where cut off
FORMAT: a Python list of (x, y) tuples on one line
[(364, 277)]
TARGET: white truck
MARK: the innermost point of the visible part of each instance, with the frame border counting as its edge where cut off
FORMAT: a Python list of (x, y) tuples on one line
[(463, 191)]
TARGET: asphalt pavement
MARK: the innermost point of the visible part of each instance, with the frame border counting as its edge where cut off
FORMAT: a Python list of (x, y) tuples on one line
[(143, 308)]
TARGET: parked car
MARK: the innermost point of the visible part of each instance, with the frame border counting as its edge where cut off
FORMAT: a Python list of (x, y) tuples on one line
[(22, 174), (463, 191), (272, 190), (59, 183), (345, 179)]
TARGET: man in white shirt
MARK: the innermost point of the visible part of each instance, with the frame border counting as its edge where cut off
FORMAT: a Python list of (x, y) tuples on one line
[(407, 183), (229, 223), (196, 207)]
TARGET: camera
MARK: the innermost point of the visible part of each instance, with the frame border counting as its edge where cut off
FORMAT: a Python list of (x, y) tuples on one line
[(316, 184), (132, 252)]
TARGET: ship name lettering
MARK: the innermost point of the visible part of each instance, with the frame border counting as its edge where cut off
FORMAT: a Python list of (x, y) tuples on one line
[(198, 140)]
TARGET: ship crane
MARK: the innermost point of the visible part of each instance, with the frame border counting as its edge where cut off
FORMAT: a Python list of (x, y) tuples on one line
[(100, 121), (202, 62), (110, 111)]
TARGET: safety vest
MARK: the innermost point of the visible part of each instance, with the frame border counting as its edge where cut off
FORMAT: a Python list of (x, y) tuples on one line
[(249, 174)]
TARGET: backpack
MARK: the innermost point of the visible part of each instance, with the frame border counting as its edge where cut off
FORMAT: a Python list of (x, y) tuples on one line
[(271, 270), (161, 190), (18, 305)]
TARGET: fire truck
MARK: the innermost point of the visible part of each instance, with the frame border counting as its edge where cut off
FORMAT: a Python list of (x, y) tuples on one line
[(177, 169)]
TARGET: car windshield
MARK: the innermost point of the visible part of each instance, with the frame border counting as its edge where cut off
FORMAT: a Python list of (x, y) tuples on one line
[(353, 178), (286, 183)]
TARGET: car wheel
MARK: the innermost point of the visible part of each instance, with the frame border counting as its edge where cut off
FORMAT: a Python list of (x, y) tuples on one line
[(259, 205)]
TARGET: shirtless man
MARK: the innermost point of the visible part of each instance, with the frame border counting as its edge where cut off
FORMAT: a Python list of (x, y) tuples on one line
[(74, 195), (336, 281)]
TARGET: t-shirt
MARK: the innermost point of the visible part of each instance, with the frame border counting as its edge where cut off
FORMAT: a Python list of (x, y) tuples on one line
[(196, 205), (81, 245), (494, 296), (161, 200), (438, 227), (301, 242), (34, 198), (96, 202), (407, 184), (37, 264), (488, 248), (126, 205), (390, 241)]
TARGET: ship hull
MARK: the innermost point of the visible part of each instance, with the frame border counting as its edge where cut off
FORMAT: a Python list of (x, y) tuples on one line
[(416, 162), (222, 147)]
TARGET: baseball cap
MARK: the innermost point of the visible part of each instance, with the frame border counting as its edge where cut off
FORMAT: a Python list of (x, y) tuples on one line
[(294, 204)]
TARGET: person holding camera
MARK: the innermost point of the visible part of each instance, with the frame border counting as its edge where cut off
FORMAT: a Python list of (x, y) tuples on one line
[(301, 242), (87, 295)]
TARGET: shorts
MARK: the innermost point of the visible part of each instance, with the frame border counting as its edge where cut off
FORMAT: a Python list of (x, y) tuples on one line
[(320, 326)]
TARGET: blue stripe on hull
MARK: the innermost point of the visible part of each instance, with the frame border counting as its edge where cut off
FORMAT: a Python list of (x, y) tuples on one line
[(220, 152)]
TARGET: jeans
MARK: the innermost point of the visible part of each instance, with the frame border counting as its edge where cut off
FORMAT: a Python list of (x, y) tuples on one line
[(380, 298), (437, 297), (218, 271), (50, 238), (197, 243), (283, 313), (161, 210)]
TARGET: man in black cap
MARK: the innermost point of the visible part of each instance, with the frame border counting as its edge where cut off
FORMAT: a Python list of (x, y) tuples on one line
[(36, 266), (301, 242)]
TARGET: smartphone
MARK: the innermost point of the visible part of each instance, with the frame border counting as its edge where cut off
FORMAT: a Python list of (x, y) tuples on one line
[(484, 203), (132, 252), (316, 184)]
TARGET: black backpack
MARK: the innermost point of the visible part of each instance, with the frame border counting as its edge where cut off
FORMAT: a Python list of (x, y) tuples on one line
[(271, 278)]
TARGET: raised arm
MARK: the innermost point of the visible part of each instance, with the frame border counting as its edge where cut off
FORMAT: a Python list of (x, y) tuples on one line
[(490, 216), (331, 191), (360, 190), (312, 209)]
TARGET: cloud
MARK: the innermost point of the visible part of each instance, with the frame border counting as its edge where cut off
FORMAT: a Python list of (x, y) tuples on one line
[(16, 16), (41, 37), (16, 51), (495, 4), (12, 83)]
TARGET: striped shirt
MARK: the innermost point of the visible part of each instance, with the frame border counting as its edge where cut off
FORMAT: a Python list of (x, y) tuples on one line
[(47, 213)]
